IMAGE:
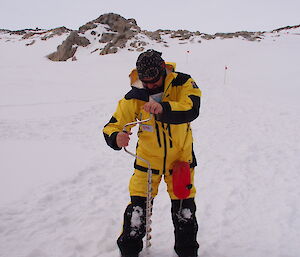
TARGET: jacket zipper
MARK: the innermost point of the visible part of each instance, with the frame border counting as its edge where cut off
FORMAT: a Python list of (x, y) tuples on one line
[(170, 135), (164, 134), (165, 149), (157, 134)]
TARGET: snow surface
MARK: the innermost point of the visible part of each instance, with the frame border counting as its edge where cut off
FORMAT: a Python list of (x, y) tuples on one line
[(63, 190)]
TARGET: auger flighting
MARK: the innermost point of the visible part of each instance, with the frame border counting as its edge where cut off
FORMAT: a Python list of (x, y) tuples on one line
[(149, 198)]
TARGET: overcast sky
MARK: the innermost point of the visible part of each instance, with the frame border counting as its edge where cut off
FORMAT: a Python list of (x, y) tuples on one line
[(208, 16)]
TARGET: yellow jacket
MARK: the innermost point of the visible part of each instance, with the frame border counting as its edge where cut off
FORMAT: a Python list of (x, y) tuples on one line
[(167, 137)]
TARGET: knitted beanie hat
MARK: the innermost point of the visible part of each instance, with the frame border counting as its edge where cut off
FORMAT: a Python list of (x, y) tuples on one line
[(150, 65)]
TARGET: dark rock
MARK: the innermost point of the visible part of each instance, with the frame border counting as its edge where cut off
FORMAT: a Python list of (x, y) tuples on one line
[(109, 49), (124, 29), (56, 32), (286, 28), (153, 35), (86, 27), (137, 44), (181, 34), (67, 49), (106, 37), (251, 36), (208, 36), (48, 33)]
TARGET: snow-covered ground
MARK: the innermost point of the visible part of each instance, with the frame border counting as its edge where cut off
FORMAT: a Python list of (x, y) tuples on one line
[(63, 190)]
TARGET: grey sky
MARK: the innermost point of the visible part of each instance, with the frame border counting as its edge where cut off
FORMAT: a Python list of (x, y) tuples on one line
[(209, 16)]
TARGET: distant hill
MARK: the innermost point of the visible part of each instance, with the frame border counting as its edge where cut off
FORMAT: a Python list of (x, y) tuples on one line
[(111, 32)]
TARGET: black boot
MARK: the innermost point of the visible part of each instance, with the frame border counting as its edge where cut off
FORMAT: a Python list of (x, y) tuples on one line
[(185, 227), (130, 242)]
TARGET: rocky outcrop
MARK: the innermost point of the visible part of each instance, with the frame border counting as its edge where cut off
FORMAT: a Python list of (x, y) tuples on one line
[(117, 23), (182, 34), (111, 32), (45, 34), (138, 45), (68, 48), (23, 32), (107, 37), (122, 30), (155, 35), (286, 28), (251, 36), (55, 32), (48, 33), (4, 31), (119, 31)]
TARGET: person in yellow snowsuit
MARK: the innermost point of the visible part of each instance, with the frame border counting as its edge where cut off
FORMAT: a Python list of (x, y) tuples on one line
[(174, 100)]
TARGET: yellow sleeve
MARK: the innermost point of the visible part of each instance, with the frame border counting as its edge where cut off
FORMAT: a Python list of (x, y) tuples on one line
[(187, 106), (126, 112)]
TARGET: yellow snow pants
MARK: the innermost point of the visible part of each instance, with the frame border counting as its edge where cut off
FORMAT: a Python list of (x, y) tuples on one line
[(138, 184)]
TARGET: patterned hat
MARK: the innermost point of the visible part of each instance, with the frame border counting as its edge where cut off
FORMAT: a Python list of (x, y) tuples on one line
[(150, 65)]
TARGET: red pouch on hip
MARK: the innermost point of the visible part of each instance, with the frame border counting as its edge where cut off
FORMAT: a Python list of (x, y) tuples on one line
[(181, 179)]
